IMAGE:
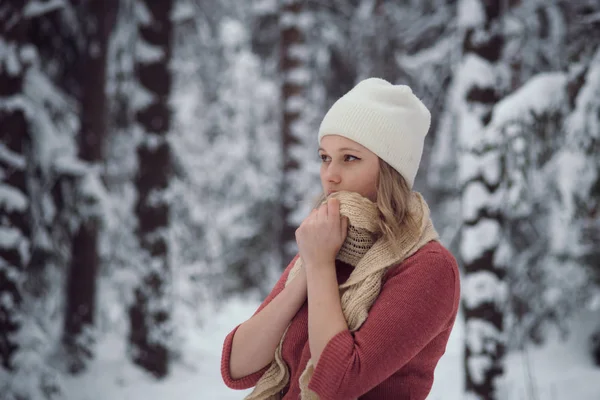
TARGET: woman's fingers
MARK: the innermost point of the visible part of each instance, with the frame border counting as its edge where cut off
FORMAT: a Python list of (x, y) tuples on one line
[(323, 210), (333, 206)]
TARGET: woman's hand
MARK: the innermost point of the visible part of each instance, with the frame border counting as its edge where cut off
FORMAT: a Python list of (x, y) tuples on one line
[(321, 234)]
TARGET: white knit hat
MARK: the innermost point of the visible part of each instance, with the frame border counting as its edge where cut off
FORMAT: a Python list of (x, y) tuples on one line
[(387, 119)]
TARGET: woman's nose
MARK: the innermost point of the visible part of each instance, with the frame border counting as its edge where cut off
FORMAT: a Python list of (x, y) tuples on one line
[(333, 174)]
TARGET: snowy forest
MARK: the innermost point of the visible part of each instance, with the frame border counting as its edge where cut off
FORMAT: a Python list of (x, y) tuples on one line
[(156, 158)]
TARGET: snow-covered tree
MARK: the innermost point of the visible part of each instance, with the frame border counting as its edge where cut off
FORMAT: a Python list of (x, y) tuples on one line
[(510, 155), (96, 22), (242, 128), (478, 86), (225, 222), (150, 312), (295, 75), (36, 139), (15, 231)]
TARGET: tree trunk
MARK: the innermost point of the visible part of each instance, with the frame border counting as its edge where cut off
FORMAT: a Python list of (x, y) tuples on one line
[(149, 315), (81, 282), (15, 144), (291, 63), (481, 173)]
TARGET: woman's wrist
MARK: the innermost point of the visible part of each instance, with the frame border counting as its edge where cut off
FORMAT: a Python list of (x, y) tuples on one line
[(299, 284)]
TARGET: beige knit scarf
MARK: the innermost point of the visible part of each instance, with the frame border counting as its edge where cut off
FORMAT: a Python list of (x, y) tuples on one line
[(371, 255)]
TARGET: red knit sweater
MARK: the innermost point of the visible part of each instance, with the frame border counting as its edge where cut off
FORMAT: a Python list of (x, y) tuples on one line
[(394, 353)]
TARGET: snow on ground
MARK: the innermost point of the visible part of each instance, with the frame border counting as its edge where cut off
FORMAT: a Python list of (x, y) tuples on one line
[(559, 370)]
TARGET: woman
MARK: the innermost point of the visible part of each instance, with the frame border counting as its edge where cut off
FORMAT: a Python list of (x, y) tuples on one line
[(366, 307)]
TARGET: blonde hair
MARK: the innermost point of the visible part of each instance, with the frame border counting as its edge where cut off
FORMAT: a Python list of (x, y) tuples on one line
[(393, 196)]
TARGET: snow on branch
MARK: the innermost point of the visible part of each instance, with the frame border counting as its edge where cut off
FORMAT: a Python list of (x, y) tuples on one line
[(298, 76), (303, 20), (141, 97), (10, 238), (299, 52), (582, 122), (53, 118), (35, 9), (12, 200), (482, 339), (476, 197), (260, 7), (142, 13), (427, 57), (487, 165), (10, 158), (478, 239), (146, 53), (470, 14), (484, 287), (182, 11), (543, 92)]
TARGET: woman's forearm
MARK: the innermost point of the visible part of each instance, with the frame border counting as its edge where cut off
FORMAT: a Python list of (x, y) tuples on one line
[(325, 316), (255, 340)]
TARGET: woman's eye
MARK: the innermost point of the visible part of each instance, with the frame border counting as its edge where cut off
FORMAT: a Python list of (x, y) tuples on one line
[(323, 157), (349, 157)]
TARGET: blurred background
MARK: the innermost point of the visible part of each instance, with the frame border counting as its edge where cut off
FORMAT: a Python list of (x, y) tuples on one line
[(156, 157)]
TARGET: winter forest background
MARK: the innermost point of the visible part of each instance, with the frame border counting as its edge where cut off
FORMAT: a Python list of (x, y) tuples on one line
[(156, 157)]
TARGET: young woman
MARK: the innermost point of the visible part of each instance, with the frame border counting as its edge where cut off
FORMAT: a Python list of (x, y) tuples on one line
[(366, 307)]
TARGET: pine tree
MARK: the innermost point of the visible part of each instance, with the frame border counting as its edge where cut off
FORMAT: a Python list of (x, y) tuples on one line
[(15, 147), (243, 124), (150, 315), (295, 79), (481, 173), (97, 21), (27, 99)]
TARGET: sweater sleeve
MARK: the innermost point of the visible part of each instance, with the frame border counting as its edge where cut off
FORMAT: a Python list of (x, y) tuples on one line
[(249, 381), (414, 306)]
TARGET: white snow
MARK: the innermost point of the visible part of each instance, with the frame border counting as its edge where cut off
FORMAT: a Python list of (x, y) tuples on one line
[(479, 238), (476, 197), (182, 11), (11, 158), (36, 8), (232, 32), (583, 119), (300, 20), (557, 371), (8, 50), (299, 76), (141, 97), (146, 53), (300, 52), (431, 55), (264, 6), (481, 336), (477, 366), (10, 237), (481, 287), (142, 13), (12, 199), (470, 13), (543, 92)]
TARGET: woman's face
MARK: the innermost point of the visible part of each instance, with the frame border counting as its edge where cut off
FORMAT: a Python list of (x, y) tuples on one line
[(349, 166)]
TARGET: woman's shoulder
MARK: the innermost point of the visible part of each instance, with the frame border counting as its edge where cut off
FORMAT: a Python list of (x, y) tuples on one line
[(434, 255)]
